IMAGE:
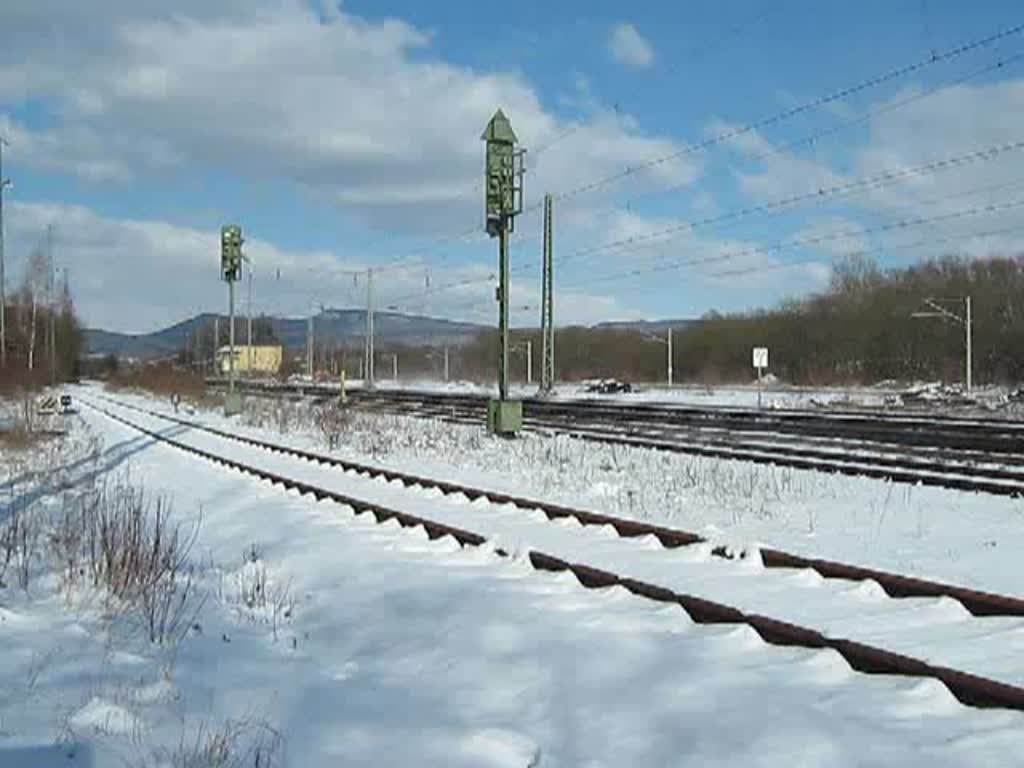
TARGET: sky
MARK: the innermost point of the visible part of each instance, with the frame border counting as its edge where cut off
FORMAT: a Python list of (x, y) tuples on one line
[(702, 155)]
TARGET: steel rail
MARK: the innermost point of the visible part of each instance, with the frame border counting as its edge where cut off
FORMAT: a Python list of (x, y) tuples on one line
[(976, 602), (970, 690)]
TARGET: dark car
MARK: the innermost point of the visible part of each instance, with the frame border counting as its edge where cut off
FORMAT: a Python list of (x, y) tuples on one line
[(609, 387)]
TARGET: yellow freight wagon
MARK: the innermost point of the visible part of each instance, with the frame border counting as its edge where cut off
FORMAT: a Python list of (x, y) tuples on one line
[(255, 359)]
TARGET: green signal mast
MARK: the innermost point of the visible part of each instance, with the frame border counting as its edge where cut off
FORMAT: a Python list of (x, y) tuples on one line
[(503, 201), (231, 272)]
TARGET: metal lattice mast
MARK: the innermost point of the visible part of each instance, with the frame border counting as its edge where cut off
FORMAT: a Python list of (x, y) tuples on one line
[(547, 309)]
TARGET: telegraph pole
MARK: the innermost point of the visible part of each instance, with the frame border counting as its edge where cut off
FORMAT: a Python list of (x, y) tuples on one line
[(4, 183), (935, 309), (529, 361), (967, 303), (446, 363), (503, 201), (368, 349), (547, 309), (309, 345), (670, 356)]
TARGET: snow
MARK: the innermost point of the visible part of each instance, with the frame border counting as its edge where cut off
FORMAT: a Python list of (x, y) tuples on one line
[(405, 651), (991, 647), (971, 539)]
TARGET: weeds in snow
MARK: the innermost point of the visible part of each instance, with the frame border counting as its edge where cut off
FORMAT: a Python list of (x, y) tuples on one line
[(256, 595), (245, 743)]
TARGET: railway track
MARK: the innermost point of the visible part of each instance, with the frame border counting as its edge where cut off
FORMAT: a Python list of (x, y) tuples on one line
[(960, 454), (627, 555)]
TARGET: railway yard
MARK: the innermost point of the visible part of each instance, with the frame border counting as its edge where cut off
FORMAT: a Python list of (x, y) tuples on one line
[(799, 568)]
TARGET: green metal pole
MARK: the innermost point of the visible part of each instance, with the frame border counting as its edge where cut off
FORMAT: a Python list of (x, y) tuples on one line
[(231, 336), (503, 312)]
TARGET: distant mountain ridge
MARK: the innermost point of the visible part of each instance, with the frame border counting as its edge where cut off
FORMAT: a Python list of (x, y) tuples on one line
[(333, 326)]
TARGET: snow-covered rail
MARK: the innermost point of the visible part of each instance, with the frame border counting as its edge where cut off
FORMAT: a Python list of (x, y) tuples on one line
[(877, 631), (983, 457), (895, 585)]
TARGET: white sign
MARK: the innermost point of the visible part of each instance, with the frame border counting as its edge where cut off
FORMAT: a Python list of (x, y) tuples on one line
[(760, 357)]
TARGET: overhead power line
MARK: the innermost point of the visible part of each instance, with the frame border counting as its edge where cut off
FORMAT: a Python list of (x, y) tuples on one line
[(808, 241), (859, 119), (921, 243), (822, 193), (786, 114), (416, 255)]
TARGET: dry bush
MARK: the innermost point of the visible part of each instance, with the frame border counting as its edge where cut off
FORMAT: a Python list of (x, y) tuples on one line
[(161, 379), (19, 438), (332, 421), (131, 550), (19, 545), (245, 743), (16, 378), (257, 595)]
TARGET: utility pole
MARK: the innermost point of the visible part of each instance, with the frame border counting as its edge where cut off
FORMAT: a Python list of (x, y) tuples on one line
[(967, 303), (368, 350), (249, 313), (503, 201), (446, 363), (529, 361), (216, 343), (309, 345), (4, 183), (967, 321), (670, 356), (394, 366), (547, 309), (53, 326)]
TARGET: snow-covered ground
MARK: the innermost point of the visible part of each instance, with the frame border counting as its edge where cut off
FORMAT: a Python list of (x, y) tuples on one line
[(964, 538), (773, 394), (378, 647)]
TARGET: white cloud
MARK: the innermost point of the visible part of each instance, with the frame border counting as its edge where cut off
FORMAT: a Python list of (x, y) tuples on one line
[(629, 47), (364, 114), (140, 275)]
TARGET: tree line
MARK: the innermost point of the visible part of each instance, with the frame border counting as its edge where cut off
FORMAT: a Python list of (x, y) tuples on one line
[(43, 338), (860, 329)]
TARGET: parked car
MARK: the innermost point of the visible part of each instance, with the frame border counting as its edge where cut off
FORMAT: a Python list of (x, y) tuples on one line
[(608, 386)]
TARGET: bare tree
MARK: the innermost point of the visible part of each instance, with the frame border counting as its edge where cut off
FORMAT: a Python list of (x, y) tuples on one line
[(32, 289)]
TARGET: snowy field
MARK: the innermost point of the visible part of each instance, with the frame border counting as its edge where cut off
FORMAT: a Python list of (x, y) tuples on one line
[(309, 636)]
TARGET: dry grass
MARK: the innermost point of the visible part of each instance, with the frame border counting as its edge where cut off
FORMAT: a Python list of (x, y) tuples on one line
[(20, 438), (164, 380)]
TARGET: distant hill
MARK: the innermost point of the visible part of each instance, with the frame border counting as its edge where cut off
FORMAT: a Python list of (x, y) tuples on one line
[(651, 326), (336, 326)]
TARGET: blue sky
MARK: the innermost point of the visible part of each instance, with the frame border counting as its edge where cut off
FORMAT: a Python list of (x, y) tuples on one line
[(343, 137)]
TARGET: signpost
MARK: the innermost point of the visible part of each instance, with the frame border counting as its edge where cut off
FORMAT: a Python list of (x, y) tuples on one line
[(503, 200), (231, 271), (760, 362)]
